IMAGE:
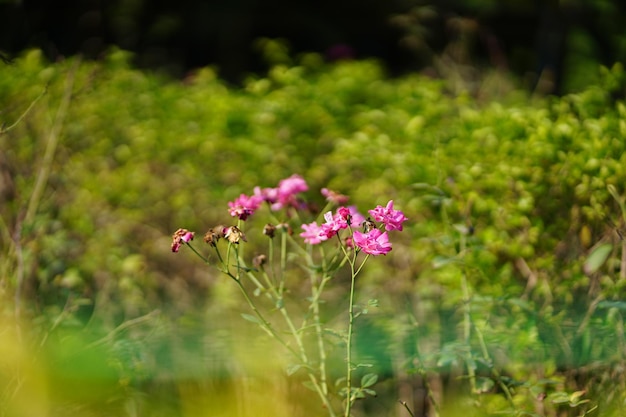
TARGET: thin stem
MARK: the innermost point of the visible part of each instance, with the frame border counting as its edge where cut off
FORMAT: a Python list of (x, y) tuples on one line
[(53, 140), (19, 119), (318, 331), (320, 388), (467, 325), (265, 325), (283, 262), (349, 343), (204, 258), (422, 371), (406, 406), (467, 319), (494, 371)]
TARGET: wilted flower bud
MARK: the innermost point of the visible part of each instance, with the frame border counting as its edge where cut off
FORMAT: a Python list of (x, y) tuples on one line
[(259, 260), (234, 235), (368, 225), (269, 230)]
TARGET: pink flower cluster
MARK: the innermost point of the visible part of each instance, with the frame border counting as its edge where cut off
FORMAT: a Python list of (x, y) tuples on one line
[(285, 195), (371, 241), (392, 219)]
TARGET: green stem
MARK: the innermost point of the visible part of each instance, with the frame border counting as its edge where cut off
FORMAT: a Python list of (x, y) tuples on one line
[(319, 333), (201, 256), (264, 324), (494, 371), (349, 342), (320, 386), (467, 326)]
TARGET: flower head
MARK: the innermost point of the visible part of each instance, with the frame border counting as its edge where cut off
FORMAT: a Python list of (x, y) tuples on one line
[(373, 242), (392, 219), (313, 234), (234, 235), (244, 206), (179, 237), (344, 212), (334, 223), (287, 191), (292, 185), (334, 197), (214, 235), (266, 194)]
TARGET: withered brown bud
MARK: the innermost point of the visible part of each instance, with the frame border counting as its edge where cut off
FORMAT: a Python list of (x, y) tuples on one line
[(269, 230), (234, 235), (214, 235), (259, 260), (368, 225)]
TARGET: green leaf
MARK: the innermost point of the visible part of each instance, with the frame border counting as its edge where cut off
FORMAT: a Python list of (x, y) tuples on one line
[(440, 261), (620, 305), (363, 365), (368, 380), (597, 258), (370, 392), (292, 369), (358, 394), (251, 318), (484, 384)]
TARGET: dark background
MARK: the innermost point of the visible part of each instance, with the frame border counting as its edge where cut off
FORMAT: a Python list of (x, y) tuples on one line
[(524, 36)]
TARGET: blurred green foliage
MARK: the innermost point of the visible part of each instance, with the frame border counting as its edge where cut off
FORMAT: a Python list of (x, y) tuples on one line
[(509, 279)]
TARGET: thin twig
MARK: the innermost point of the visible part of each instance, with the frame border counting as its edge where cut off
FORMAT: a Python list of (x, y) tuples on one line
[(53, 140), (19, 119), (405, 405)]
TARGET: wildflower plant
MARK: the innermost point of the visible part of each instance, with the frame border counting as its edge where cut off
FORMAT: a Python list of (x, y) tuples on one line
[(343, 239)]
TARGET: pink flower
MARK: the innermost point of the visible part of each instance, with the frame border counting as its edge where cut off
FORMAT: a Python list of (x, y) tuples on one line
[(392, 219), (179, 237), (333, 224), (334, 197), (292, 185), (267, 194), (344, 212), (244, 206), (313, 234), (287, 190), (373, 242)]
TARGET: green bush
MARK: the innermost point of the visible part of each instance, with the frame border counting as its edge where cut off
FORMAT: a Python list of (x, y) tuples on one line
[(511, 273)]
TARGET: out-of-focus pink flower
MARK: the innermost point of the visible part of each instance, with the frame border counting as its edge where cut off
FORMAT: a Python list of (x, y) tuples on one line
[(334, 197), (267, 194), (244, 206), (334, 223), (286, 192), (292, 185), (179, 237), (392, 219), (313, 233), (373, 242)]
